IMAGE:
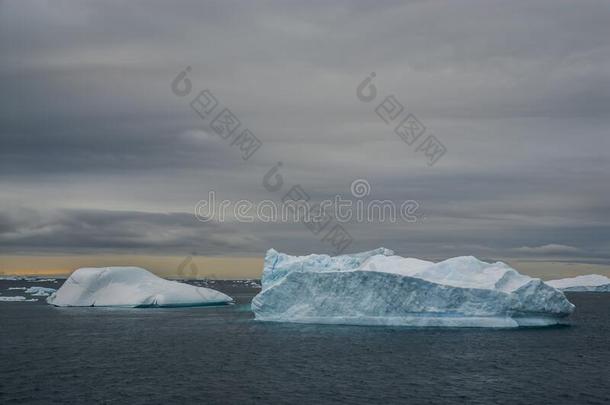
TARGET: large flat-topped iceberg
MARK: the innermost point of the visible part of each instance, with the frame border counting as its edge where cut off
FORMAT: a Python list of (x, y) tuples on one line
[(379, 288), (130, 287), (590, 282)]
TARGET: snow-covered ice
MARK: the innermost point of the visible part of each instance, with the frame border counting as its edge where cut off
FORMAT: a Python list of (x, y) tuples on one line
[(590, 282), (379, 288), (40, 291), (130, 287)]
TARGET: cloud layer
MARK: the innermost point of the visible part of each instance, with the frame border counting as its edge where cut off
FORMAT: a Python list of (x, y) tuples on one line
[(97, 153)]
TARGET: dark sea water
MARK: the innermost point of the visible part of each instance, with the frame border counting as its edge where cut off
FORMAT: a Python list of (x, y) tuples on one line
[(212, 355)]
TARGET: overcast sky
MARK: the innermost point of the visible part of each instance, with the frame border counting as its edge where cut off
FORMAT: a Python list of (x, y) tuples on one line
[(98, 155)]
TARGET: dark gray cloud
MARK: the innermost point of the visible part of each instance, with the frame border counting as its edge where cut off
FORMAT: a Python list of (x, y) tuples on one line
[(519, 93), (94, 231)]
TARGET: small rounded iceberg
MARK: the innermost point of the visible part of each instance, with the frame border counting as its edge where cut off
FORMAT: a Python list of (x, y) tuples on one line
[(130, 287)]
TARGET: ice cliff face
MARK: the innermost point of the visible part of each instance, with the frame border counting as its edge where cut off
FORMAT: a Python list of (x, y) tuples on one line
[(129, 287), (590, 283), (378, 288)]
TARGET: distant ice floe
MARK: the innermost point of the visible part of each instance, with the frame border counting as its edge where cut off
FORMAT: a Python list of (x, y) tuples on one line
[(40, 291), (34, 291), (18, 298), (379, 288), (130, 287), (251, 283), (588, 283), (246, 283), (30, 279)]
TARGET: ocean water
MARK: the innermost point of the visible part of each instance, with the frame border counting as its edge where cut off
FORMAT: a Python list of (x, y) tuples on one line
[(219, 355)]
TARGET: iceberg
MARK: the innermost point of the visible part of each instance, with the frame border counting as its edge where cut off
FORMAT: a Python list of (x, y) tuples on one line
[(380, 288), (590, 283), (130, 287), (37, 291)]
